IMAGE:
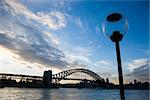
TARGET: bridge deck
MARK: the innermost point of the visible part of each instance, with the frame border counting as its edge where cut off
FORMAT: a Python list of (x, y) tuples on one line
[(30, 76), (19, 75)]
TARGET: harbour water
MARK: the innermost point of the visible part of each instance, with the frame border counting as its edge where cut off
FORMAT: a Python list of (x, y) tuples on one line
[(70, 94)]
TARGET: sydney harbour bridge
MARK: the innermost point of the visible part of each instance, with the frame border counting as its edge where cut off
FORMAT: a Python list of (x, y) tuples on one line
[(63, 75), (48, 78)]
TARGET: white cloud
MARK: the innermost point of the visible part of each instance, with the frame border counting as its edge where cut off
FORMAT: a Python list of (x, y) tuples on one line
[(54, 20), (37, 42), (36, 45), (76, 58), (51, 38), (139, 69), (78, 55), (104, 62), (17, 8), (137, 63), (31, 43), (11, 62), (79, 22)]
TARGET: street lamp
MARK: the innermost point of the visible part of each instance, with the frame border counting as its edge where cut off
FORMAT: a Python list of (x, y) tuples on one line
[(115, 27)]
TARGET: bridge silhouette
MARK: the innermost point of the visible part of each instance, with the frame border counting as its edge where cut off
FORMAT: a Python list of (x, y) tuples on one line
[(52, 81), (62, 75), (57, 77)]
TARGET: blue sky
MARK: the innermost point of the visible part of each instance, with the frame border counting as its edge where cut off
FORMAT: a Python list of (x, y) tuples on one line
[(37, 35)]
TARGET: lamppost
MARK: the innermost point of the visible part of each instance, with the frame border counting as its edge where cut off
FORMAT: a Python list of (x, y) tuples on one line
[(114, 27)]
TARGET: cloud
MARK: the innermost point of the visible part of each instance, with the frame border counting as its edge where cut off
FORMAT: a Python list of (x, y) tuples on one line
[(45, 55), (30, 35), (24, 32), (75, 60), (78, 57), (139, 69), (16, 18), (79, 23), (137, 63), (103, 62), (105, 67), (53, 20), (21, 33), (51, 38), (11, 62)]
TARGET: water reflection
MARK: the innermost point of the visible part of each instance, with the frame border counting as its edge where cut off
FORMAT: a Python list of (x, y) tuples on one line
[(45, 94), (69, 94)]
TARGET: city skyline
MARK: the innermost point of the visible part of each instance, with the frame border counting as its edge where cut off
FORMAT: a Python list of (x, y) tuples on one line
[(37, 35)]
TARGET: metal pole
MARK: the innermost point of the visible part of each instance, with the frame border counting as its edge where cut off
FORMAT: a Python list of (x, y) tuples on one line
[(122, 96)]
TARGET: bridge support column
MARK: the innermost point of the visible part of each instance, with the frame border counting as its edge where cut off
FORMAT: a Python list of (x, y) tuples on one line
[(47, 77)]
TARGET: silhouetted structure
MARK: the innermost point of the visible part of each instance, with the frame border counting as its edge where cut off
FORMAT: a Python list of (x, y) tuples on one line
[(137, 85), (62, 75), (48, 80), (47, 77), (107, 80), (134, 81), (114, 25), (9, 80)]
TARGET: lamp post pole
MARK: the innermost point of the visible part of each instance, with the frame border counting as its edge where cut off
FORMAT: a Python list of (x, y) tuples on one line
[(117, 37), (120, 71)]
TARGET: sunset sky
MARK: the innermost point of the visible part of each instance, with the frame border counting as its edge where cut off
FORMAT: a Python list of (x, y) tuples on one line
[(38, 35)]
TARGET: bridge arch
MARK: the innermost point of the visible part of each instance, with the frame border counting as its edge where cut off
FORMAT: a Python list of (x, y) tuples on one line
[(66, 73)]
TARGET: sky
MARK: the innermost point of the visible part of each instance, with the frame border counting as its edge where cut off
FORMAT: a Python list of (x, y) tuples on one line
[(38, 35)]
